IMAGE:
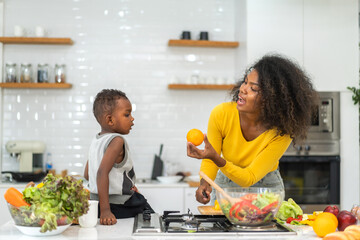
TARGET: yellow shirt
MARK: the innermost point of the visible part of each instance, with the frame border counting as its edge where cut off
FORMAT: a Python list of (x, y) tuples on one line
[(247, 162)]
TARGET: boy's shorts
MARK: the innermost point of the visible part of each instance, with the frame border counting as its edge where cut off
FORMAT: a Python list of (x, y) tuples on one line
[(132, 207)]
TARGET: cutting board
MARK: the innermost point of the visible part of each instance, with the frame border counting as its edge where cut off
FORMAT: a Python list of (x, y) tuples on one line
[(209, 210)]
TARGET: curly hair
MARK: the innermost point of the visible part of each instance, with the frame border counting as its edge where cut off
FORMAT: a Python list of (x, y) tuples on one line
[(287, 96), (105, 102)]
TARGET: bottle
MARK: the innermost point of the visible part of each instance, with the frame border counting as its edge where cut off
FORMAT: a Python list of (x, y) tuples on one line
[(60, 73), (49, 164), (43, 73), (26, 73), (10, 72)]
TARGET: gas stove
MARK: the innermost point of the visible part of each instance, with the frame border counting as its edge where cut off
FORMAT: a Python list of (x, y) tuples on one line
[(172, 223)]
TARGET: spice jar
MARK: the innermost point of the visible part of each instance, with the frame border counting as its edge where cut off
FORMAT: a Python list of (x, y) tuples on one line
[(10, 72), (60, 73), (25, 73), (43, 73)]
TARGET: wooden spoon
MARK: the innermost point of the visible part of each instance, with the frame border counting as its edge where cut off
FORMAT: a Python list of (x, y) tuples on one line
[(219, 189)]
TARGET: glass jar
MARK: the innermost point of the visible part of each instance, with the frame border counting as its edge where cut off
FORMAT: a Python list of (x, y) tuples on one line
[(43, 73), (25, 73), (10, 72), (60, 73)]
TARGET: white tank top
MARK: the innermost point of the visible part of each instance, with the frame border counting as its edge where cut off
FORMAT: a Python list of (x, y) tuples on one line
[(121, 176)]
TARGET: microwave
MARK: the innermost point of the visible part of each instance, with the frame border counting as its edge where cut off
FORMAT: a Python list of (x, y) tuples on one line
[(325, 123)]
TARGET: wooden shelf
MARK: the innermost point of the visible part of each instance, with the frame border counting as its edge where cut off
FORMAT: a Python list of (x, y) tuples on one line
[(35, 85), (201, 86), (36, 40), (202, 43)]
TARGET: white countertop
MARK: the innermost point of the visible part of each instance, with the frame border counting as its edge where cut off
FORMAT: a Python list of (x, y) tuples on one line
[(147, 184), (123, 230)]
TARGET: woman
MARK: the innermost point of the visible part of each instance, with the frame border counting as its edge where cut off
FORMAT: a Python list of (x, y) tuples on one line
[(245, 139)]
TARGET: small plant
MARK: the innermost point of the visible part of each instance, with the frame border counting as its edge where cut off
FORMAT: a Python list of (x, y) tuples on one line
[(356, 94)]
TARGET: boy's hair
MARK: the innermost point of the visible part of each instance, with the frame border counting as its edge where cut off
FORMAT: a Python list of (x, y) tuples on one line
[(105, 102)]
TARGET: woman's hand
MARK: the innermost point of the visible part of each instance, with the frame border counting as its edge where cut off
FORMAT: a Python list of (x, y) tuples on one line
[(203, 192), (107, 218), (208, 152)]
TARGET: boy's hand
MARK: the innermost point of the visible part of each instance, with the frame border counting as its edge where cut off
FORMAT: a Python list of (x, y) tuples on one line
[(30, 184), (134, 188), (107, 218)]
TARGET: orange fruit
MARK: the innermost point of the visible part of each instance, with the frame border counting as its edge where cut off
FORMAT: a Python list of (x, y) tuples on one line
[(329, 215), (325, 223), (195, 136)]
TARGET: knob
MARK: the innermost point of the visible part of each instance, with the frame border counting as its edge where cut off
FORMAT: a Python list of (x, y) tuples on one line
[(298, 149), (147, 215), (307, 148)]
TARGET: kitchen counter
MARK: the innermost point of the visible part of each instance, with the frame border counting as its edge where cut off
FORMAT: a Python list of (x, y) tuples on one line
[(123, 230), (147, 184)]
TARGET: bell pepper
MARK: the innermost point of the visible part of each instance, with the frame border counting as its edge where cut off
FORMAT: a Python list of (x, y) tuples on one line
[(290, 219), (246, 206), (234, 209), (268, 207)]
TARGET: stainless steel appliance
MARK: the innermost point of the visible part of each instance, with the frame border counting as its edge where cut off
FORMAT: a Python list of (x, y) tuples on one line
[(173, 224), (311, 171), (29, 154)]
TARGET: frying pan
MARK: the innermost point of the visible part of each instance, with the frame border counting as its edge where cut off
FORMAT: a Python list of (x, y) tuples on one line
[(26, 176)]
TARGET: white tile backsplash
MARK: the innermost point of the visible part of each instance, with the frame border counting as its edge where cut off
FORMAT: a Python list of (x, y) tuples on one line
[(123, 45)]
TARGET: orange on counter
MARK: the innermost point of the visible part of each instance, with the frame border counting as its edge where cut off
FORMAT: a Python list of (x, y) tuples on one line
[(195, 136), (324, 224)]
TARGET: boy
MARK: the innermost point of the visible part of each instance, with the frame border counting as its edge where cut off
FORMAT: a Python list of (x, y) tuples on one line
[(109, 168)]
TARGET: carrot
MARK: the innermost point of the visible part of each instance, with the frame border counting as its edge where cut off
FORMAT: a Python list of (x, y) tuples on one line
[(15, 197)]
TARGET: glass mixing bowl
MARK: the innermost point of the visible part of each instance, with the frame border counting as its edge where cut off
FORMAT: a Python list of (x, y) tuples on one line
[(250, 206)]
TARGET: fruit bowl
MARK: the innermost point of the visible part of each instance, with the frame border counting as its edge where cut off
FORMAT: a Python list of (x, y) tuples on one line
[(28, 223), (250, 206)]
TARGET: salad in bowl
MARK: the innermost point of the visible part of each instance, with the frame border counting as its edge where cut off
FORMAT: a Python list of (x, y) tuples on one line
[(53, 203), (250, 206)]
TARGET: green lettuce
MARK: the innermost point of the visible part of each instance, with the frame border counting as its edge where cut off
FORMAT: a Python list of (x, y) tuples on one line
[(265, 199), (59, 199), (288, 209)]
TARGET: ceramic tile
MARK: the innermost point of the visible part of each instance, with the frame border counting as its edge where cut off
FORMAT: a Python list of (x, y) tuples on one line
[(117, 44)]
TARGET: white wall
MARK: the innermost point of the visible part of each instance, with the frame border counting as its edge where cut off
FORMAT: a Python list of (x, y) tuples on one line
[(118, 44), (322, 36)]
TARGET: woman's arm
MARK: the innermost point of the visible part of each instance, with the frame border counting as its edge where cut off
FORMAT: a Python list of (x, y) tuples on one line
[(112, 153), (215, 135)]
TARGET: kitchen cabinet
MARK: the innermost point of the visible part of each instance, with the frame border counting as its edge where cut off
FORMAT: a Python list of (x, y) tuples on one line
[(175, 197), (164, 198), (331, 56)]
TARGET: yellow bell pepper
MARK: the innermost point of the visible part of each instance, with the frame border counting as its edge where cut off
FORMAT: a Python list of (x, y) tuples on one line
[(40, 185), (217, 205)]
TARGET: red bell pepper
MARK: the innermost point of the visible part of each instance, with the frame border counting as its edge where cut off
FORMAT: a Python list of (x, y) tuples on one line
[(290, 219), (247, 206), (268, 207), (234, 209)]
